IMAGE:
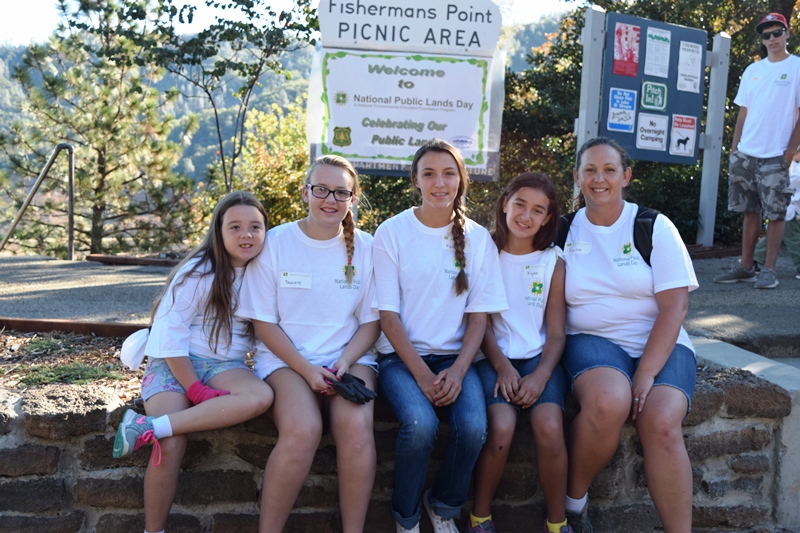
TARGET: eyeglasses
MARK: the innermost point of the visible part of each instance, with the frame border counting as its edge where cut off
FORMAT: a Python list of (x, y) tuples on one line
[(340, 195), (774, 33)]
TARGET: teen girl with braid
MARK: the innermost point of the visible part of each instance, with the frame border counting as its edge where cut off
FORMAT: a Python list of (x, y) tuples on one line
[(437, 276), (310, 296)]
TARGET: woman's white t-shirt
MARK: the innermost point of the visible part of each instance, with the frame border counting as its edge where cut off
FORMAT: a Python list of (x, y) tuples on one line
[(299, 284), (520, 330), (610, 290), (415, 272), (179, 327)]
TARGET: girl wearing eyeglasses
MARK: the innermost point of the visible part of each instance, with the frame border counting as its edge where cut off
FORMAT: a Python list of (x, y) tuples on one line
[(309, 296), (437, 275)]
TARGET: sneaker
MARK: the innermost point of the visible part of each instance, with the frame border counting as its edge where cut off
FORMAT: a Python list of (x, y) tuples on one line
[(737, 273), (767, 279), (133, 432), (401, 529), (487, 526), (797, 274), (440, 525), (580, 521), (562, 529)]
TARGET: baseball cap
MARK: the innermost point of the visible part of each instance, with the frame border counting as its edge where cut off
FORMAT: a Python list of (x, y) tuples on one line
[(772, 18)]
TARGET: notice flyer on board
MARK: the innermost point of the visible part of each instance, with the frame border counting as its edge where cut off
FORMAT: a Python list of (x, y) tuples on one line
[(379, 108)]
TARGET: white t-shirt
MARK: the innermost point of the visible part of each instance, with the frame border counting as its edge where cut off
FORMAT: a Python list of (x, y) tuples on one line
[(415, 276), (794, 179), (771, 93), (610, 290), (520, 330), (179, 328), (299, 283)]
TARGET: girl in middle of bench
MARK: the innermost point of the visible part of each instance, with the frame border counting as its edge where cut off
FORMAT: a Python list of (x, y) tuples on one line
[(436, 277), (309, 295), (522, 349)]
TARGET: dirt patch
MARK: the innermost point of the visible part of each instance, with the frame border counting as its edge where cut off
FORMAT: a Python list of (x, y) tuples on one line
[(20, 352)]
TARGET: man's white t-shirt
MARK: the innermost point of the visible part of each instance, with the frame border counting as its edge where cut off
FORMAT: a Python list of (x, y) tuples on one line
[(415, 272), (610, 290), (771, 93), (521, 330), (180, 328), (299, 283)]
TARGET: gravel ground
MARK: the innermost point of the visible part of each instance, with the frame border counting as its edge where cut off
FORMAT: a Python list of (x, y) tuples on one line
[(19, 352)]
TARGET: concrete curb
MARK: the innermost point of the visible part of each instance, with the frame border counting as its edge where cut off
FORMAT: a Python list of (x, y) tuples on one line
[(787, 478)]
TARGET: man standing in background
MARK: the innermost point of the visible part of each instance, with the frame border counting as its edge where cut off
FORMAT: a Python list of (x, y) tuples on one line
[(766, 136)]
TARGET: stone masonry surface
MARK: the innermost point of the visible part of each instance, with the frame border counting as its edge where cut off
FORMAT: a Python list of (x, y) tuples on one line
[(57, 474)]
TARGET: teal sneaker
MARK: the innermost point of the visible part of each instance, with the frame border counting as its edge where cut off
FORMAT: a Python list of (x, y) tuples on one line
[(133, 432)]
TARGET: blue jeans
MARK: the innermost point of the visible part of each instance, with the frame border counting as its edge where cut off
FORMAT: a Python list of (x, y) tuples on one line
[(418, 427), (584, 352)]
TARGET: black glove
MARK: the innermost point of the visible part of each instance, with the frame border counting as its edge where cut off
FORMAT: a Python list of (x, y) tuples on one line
[(352, 388)]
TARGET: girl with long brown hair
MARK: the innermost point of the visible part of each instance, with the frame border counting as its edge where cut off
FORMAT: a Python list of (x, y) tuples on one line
[(437, 276), (196, 378), (522, 349)]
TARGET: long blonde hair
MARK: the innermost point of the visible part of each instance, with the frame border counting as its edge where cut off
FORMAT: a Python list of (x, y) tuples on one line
[(221, 303), (459, 207), (348, 223)]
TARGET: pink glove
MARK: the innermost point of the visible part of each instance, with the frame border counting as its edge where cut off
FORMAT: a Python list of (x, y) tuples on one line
[(198, 393)]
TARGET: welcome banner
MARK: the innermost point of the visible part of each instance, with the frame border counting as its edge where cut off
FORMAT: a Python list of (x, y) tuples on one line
[(380, 107)]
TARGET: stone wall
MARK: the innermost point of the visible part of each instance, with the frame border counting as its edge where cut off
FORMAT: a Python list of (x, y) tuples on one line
[(57, 474)]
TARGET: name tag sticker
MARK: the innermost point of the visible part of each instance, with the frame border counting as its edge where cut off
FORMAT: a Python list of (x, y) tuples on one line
[(295, 280), (534, 271), (447, 243), (578, 248)]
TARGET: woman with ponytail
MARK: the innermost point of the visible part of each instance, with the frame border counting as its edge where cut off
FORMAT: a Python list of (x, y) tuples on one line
[(437, 276), (309, 296)]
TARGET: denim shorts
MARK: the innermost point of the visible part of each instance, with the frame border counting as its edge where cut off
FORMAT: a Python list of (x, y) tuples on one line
[(158, 377), (553, 392), (584, 352)]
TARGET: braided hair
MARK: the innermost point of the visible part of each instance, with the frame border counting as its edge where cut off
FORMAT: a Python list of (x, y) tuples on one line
[(348, 223), (459, 206)]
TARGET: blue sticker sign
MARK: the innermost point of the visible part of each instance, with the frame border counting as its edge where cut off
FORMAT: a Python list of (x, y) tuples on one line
[(621, 110)]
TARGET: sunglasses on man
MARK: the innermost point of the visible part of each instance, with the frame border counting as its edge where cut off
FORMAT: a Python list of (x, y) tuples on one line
[(774, 33)]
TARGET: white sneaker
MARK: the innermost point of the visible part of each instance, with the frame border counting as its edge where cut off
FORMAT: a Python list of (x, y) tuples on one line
[(440, 525), (401, 529)]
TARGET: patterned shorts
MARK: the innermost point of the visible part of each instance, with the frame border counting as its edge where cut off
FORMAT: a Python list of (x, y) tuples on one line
[(759, 185), (159, 378)]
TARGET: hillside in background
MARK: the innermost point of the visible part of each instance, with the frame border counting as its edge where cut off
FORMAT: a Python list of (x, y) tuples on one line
[(274, 88)]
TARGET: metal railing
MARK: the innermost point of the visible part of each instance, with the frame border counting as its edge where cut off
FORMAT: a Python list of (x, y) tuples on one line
[(70, 204)]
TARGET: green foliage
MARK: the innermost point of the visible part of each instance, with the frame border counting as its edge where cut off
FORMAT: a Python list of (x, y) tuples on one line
[(382, 198), (72, 373), (275, 160), (126, 196), (226, 59), (542, 104)]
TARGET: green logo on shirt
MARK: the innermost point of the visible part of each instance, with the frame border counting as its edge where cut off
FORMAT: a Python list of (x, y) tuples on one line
[(627, 249), (537, 288)]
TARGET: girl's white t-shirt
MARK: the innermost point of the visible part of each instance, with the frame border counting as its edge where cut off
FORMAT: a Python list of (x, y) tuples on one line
[(415, 272), (520, 330), (299, 284), (610, 290), (179, 328)]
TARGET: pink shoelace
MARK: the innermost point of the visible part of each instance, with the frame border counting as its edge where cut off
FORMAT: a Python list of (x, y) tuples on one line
[(146, 438)]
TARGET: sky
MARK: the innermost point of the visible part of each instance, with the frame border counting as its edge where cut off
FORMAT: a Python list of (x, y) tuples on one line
[(26, 21)]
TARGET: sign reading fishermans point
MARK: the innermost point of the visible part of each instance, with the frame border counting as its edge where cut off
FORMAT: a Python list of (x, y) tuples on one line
[(391, 75)]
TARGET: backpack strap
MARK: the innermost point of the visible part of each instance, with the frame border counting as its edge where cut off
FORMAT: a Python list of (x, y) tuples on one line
[(563, 229), (643, 231)]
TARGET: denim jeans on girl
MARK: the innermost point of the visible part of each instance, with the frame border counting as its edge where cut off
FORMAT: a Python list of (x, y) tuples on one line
[(418, 428)]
